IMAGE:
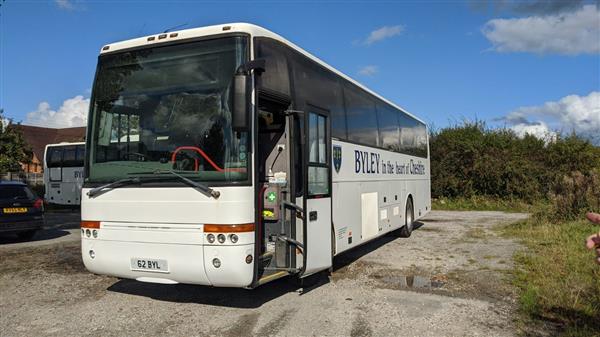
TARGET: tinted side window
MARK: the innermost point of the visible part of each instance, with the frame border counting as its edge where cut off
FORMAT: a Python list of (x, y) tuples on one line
[(276, 78), (54, 156), (316, 85), (361, 116), (73, 156), (389, 132), (80, 153), (338, 113), (413, 136), (69, 156)]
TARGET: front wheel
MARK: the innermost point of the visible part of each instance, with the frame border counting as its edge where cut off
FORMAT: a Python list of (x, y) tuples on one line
[(406, 230)]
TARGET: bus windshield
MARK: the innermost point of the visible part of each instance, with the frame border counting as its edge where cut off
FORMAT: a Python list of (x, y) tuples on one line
[(168, 108)]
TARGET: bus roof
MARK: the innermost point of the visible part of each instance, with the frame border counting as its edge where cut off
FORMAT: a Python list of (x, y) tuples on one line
[(240, 27), (64, 144)]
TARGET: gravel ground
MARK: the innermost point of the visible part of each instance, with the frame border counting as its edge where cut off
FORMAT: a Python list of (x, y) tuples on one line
[(448, 279)]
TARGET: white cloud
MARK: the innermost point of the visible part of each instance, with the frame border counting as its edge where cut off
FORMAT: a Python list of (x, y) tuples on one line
[(73, 112), (539, 130), (383, 33), (64, 4), (368, 70), (569, 33), (580, 114)]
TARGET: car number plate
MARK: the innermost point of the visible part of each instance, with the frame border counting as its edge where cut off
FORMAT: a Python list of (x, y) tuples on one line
[(153, 265), (11, 210)]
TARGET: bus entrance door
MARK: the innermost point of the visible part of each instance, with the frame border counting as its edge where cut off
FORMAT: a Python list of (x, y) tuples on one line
[(317, 197)]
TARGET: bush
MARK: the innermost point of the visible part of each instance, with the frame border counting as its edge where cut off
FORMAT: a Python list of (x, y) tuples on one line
[(470, 160), (575, 194)]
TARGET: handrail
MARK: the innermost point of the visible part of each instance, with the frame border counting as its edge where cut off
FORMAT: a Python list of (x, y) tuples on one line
[(199, 150)]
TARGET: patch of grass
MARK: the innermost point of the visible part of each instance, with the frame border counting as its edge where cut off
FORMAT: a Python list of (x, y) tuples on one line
[(557, 278), (478, 203)]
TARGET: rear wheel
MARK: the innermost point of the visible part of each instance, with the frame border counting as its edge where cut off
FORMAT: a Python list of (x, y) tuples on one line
[(27, 235), (406, 230)]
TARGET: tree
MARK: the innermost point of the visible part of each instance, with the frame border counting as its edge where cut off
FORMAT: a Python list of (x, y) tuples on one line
[(13, 149)]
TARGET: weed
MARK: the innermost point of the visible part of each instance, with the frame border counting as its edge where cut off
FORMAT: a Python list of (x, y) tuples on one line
[(557, 278)]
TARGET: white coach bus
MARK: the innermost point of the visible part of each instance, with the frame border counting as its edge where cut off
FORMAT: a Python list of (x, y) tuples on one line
[(63, 173), (228, 156)]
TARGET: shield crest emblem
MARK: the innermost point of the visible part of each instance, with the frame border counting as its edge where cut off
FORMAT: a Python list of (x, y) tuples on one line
[(337, 158)]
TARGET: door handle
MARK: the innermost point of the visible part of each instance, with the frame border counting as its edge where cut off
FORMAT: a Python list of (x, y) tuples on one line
[(312, 216)]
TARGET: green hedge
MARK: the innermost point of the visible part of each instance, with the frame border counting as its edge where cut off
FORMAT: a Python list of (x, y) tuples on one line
[(470, 160)]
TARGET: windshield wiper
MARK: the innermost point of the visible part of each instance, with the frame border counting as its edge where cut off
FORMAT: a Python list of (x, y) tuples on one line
[(209, 192), (100, 189)]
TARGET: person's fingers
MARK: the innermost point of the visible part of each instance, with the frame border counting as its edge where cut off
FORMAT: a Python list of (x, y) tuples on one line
[(593, 217), (592, 241)]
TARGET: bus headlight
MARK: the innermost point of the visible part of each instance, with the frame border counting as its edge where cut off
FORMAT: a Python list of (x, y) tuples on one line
[(95, 233), (210, 238), (221, 238), (88, 233), (234, 238)]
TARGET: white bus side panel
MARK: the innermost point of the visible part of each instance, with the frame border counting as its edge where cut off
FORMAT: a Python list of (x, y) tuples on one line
[(370, 190)]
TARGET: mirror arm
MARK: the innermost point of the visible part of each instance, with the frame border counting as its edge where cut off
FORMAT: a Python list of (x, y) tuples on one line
[(257, 65)]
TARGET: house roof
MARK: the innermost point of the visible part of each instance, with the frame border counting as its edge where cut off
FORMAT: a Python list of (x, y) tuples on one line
[(38, 137)]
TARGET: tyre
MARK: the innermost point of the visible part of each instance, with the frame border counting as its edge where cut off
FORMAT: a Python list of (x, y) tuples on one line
[(27, 235), (409, 217)]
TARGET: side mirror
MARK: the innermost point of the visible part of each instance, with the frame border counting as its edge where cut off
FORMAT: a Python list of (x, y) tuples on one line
[(239, 119), (241, 102)]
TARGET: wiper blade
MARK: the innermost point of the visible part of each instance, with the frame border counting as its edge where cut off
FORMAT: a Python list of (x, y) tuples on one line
[(209, 192), (100, 189)]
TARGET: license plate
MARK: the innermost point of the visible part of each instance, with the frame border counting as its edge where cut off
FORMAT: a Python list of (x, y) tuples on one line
[(11, 210), (153, 265)]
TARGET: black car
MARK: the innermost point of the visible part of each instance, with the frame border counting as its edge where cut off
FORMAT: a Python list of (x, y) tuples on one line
[(21, 211)]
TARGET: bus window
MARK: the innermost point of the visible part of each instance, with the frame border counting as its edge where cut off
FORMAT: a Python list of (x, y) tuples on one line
[(69, 156), (80, 154), (361, 117), (54, 157), (318, 173), (389, 132), (413, 136), (277, 78)]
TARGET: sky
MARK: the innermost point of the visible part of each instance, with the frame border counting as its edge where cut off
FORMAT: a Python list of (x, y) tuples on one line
[(531, 65)]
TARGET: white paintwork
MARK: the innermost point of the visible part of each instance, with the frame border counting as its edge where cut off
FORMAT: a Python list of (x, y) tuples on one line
[(318, 236), (167, 223), (62, 184), (369, 205)]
